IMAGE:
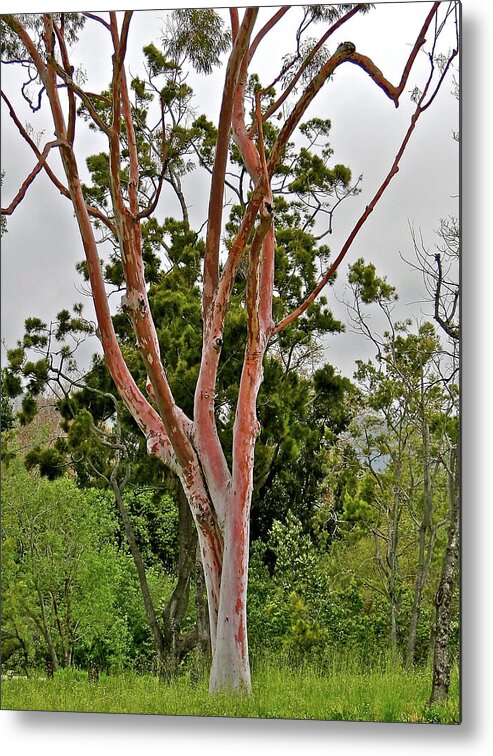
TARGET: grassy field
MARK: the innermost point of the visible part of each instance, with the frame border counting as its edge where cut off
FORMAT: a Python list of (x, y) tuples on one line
[(385, 696)]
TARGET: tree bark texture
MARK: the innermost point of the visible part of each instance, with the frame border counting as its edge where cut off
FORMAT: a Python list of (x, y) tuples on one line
[(444, 594)]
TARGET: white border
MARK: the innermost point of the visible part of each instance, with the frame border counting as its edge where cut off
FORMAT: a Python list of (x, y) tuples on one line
[(54, 734)]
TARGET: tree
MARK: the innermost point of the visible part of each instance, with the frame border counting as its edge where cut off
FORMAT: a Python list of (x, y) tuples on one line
[(102, 441), (218, 491), (440, 271), (403, 437), (61, 563)]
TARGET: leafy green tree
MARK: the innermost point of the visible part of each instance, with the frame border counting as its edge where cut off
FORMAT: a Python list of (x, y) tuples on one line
[(401, 441), (61, 563), (285, 600)]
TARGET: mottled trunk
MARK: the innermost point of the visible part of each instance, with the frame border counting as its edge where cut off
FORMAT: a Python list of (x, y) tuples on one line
[(444, 594), (230, 664)]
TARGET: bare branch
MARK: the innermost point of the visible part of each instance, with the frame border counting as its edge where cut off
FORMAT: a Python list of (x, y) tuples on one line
[(306, 62), (267, 27), (99, 20), (211, 257), (368, 210), (28, 181)]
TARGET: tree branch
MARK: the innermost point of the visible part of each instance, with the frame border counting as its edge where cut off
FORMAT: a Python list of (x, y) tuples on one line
[(69, 70), (267, 27), (282, 98), (211, 257), (99, 20), (28, 181), (83, 96), (345, 52), (369, 208), (93, 211)]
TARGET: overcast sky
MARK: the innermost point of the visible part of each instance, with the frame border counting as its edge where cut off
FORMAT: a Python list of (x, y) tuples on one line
[(42, 245)]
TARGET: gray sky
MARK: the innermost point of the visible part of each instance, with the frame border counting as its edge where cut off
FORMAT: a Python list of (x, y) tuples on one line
[(42, 244)]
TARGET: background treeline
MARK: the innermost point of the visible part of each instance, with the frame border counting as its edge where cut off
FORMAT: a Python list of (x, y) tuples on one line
[(356, 489)]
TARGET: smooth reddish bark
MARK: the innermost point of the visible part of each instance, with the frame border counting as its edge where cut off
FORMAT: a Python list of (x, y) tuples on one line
[(219, 498)]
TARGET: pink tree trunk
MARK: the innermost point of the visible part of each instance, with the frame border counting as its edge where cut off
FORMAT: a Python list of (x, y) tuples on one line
[(230, 668)]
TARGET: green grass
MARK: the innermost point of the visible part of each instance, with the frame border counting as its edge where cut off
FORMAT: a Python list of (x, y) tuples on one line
[(390, 695)]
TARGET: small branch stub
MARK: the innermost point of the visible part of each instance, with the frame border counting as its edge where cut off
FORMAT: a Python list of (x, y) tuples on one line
[(346, 47)]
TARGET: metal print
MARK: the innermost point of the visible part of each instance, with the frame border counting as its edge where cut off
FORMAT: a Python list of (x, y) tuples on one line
[(230, 378)]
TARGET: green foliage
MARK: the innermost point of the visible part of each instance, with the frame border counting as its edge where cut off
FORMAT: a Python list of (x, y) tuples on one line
[(155, 522), (305, 632), (196, 35), (312, 174), (284, 607), (306, 416), (48, 460), (367, 285), (357, 513), (158, 64), (29, 367), (28, 410), (11, 47), (332, 13), (60, 560), (311, 605), (7, 417)]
